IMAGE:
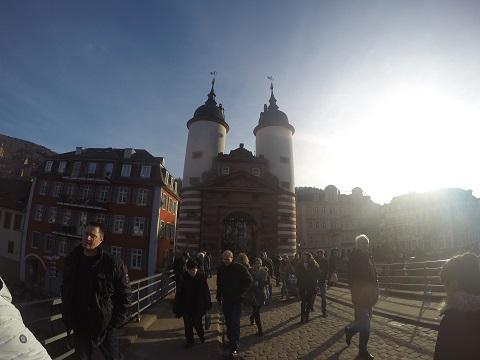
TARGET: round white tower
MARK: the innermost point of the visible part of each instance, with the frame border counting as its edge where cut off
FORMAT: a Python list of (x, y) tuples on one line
[(274, 142), (207, 131)]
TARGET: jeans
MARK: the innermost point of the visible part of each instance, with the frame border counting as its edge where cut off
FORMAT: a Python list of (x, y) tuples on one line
[(322, 287), (232, 312), (191, 321), (362, 325), (109, 347)]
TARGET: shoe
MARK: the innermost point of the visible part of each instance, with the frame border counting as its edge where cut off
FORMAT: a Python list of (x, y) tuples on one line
[(364, 355), (348, 336)]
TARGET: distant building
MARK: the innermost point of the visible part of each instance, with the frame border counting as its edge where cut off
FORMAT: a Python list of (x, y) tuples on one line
[(238, 201), (327, 219), (128, 190), (431, 221), (13, 205)]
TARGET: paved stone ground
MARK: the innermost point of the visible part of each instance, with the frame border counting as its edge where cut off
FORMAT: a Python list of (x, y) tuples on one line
[(323, 338)]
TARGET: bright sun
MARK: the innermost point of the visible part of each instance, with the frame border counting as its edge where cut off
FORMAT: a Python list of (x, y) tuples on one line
[(415, 138)]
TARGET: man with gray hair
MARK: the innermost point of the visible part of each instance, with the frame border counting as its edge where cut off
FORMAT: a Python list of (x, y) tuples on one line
[(364, 289)]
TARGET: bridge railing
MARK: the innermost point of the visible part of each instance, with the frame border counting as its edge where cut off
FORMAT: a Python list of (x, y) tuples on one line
[(43, 317), (408, 278)]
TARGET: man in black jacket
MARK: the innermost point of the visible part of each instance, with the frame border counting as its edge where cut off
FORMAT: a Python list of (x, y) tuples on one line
[(95, 296), (322, 279), (364, 289), (233, 281)]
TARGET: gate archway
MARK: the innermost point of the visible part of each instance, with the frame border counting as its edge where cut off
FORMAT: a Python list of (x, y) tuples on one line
[(240, 233)]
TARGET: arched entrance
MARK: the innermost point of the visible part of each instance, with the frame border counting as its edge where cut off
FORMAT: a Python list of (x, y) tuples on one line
[(240, 233)]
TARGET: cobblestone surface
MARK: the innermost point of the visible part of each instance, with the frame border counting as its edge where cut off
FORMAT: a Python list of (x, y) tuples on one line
[(323, 338)]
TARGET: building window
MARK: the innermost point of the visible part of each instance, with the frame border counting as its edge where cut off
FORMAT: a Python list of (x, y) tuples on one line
[(108, 170), (126, 170), (83, 219), (61, 247), (48, 166), (226, 170), (92, 168), (85, 192), (164, 201), (10, 247), (145, 171), (35, 240), (57, 189), (116, 251), (43, 188), (52, 215), (122, 195), (100, 218), (142, 197), (49, 244), (76, 169), (39, 211), (136, 262), (284, 160), (138, 226), (70, 191), (17, 222), (256, 171), (103, 194), (67, 217), (7, 220), (62, 165), (118, 224), (197, 154), (161, 232)]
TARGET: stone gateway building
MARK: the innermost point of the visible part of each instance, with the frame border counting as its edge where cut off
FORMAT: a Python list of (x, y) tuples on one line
[(238, 201)]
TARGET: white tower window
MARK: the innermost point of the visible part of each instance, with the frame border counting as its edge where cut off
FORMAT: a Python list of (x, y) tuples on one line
[(226, 170)]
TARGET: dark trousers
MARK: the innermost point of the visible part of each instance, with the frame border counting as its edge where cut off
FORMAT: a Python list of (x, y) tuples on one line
[(306, 296), (232, 312), (322, 289), (256, 317), (191, 321), (361, 324), (109, 347)]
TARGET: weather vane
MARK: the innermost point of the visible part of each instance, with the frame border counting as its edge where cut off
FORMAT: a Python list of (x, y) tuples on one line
[(213, 73), (271, 81)]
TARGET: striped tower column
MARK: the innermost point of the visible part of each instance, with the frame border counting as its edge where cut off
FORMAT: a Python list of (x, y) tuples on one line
[(287, 231), (189, 221)]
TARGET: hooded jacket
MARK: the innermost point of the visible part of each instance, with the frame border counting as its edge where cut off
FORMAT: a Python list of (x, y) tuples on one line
[(459, 330), (193, 296), (16, 341), (110, 297)]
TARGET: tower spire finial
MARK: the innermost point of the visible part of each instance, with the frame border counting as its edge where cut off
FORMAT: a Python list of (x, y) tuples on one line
[(272, 101), (211, 95)]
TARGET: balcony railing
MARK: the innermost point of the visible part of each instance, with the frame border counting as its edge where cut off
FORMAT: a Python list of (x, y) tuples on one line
[(43, 317)]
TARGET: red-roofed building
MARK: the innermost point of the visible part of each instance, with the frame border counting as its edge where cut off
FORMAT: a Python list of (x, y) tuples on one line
[(128, 190)]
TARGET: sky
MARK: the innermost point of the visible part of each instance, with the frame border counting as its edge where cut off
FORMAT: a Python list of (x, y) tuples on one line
[(384, 95)]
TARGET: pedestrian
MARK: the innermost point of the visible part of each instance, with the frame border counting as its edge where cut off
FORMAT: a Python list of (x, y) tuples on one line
[(16, 341), (364, 290), (332, 267), (307, 275), (208, 264), (260, 282), (200, 259), (179, 267), (233, 281), (268, 263), (95, 296), (276, 268), (322, 280), (193, 301), (459, 330)]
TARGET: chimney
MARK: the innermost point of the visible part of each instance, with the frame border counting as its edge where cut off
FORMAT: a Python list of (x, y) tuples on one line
[(127, 153), (78, 150)]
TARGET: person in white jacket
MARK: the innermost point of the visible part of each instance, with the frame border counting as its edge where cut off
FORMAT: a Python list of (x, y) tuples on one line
[(16, 341)]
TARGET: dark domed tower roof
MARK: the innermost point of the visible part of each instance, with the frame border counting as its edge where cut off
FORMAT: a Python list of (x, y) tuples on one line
[(209, 111), (271, 116)]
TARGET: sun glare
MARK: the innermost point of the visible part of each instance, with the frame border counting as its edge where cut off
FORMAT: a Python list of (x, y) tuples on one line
[(415, 138)]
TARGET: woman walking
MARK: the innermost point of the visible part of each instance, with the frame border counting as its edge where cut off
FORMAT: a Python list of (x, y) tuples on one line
[(261, 280), (307, 275)]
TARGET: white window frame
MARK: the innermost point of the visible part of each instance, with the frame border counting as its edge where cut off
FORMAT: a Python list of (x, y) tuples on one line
[(62, 245), (122, 195), (52, 215), (76, 168), (136, 259), (118, 224), (36, 235), (39, 212), (85, 192), (100, 218), (82, 219), (69, 190), (138, 226), (43, 187), (48, 166), (67, 217), (92, 168), (225, 170), (103, 194), (62, 165), (49, 240), (108, 171), (57, 189), (142, 197), (116, 251), (145, 171), (126, 170)]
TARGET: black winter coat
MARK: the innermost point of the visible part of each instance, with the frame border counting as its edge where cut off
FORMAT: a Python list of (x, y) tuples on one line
[(459, 330), (108, 300), (307, 278), (193, 297), (363, 280), (233, 281), (323, 264)]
